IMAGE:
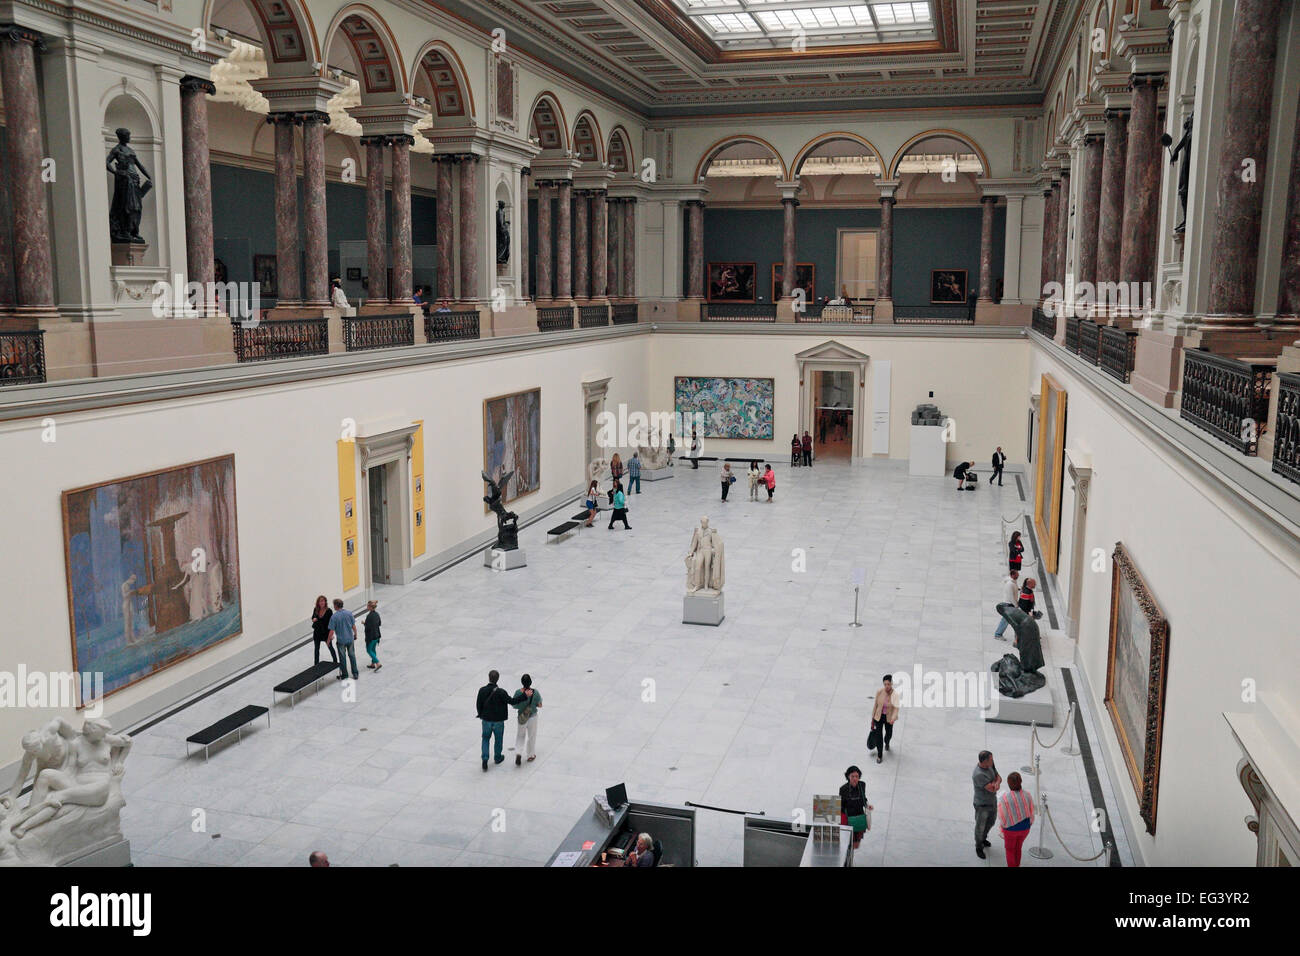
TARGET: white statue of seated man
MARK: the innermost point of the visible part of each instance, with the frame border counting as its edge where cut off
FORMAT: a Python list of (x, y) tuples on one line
[(705, 561)]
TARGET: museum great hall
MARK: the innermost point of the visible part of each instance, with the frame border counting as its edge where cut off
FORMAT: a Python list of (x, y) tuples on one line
[(355, 299)]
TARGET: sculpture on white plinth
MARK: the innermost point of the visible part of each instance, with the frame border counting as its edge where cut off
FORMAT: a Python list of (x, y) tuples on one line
[(76, 801), (705, 561), (655, 454), (598, 470)]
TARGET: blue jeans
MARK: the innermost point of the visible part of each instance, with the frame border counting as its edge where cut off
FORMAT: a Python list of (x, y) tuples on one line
[(493, 728), (347, 651), (634, 480), (1002, 626)]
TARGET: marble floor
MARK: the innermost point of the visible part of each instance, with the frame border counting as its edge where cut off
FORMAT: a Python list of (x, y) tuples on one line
[(758, 714)]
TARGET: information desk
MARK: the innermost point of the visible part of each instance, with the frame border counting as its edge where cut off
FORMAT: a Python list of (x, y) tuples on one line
[(591, 836), (771, 842)]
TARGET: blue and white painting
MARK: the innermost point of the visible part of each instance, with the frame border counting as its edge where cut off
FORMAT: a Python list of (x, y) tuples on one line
[(729, 407), (153, 569)]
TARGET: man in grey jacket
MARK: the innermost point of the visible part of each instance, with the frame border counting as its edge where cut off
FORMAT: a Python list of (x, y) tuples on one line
[(987, 780)]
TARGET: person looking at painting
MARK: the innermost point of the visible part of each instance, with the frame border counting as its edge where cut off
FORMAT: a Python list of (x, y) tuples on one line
[(320, 627)]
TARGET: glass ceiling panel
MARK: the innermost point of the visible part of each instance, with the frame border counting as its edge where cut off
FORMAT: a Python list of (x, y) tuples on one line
[(771, 24)]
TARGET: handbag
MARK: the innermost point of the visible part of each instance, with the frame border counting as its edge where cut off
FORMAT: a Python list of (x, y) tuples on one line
[(873, 738), (731, 479), (860, 823)]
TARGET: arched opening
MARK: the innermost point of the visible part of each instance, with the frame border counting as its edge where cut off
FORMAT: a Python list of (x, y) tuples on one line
[(359, 44), (619, 151), (282, 28), (587, 144), (547, 127), (439, 78)]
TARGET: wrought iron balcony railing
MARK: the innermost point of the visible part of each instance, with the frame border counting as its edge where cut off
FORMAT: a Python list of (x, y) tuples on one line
[(1227, 397), (364, 332), (22, 357), (281, 338)]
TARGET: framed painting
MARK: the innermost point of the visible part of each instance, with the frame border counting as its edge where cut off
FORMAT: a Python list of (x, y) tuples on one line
[(805, 277), (1050, 471), (152, 566), (729, 407), (1136, 666), (267, 276), (948, 287), (512, 441), (731, 281)]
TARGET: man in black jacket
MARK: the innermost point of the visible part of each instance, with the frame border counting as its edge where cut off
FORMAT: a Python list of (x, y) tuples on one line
[(493, 707), (999, 460)]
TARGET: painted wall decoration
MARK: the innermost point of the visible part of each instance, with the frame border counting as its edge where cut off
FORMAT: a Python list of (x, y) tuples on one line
[(418, 538), (348, 521), (948, 287), (1050, 471), (152, 569), (731, 407), (1136, 664), (731, 281), (512, 441), (805, 277)]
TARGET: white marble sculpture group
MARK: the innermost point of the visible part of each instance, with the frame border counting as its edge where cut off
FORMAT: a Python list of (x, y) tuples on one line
[(76, 800), (654, 454), (705, 561)]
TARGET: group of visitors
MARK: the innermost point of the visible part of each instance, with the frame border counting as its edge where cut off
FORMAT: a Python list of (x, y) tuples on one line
[(329, 625), (764, 479), (966, 479), (801, 450), (855, 811), (492, 710), (1013, 810), (617, 496), (1022, 595)]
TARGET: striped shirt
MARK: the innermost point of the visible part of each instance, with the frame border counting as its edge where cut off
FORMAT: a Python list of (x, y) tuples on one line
[(1015, 807)]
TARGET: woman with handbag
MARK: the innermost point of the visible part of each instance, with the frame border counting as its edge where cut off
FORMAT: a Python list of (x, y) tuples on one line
[(854, 810), (727, 479), (883, 714)]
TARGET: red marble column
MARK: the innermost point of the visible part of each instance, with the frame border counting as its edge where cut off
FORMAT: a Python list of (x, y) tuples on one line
[(1246, 118), (629, 248), (469, 237), (33, 267), (376, 221), (198, 181), (581, 246), (564, 241), (521, 226), (1063, 229), (1110, 214), (599, 245), (695, 249), (789, 257), (986, 247), (1141, 188), (6, 247), (612, 270), (1048, 269), (1089, 207), (887, 248), (317, 291), (545, 194), (1288, 289), (286, 210), (400, 294), (444, 234)]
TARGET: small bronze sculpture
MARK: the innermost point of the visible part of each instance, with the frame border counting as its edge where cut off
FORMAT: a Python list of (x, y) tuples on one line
[(128, 191), (1019, 676), (1184, 147), (503, 234), (507, 521)]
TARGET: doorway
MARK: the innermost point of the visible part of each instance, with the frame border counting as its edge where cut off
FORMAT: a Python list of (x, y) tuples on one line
[(380, 568), (833, 413)]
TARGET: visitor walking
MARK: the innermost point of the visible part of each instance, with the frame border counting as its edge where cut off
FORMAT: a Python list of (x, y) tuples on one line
[(634, 472), (1015, 552), (492, 708), (344, 628), (769, 479), (525, 702), (796, 450), (854, 810), (1016, 815), (1010, 595), (593, 492), (372, 624), (883, 715), (986, 781), (999, 460), (695, 451), (320, 628), (620, 508), (727, 479), (753, 481), (807, 449)]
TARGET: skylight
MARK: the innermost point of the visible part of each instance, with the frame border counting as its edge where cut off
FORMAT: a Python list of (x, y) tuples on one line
[(785, 24)]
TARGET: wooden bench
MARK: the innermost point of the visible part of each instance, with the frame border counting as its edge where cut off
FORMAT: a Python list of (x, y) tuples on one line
[(560, 530), (303, 679), (234, 724)]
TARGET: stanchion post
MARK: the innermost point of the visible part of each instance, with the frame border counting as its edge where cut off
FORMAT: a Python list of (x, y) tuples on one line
[(1070, 748), (856, 622), (1040, 852), (1033, 736)]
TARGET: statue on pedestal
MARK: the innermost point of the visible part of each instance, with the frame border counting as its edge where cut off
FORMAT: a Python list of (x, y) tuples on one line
[(507, 521), (705, 561), (1184, 147), (1018, 676), (503, 234), (128, 191), (655, 454)]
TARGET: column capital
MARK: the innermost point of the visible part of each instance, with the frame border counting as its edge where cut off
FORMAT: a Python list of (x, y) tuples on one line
[(197, 84), (464, 157), (887, 188), (690, 203), (1116, 112), (525, 171), (401, 139), (990, 200), (1153, 80), (16, 34), (379, 140), (1093, 139)]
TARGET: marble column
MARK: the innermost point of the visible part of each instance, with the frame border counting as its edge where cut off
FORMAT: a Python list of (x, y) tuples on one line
[(1288, 289), (377, 225), (695, 249), (1141, 189), (317, 286), (629, 248), (521, 227), (612, 270), (581, 245), (469, 238), (887, 248), (1063, 229), (788, 255), (1246, 120), (33, 267), (400, 294), (1048, 269), (444, 233), (564, 241), (545, 193), (1089, 207), (7, 291), (986, 247), (286, 210), (198, 181), (599, 245), (1110, 214)]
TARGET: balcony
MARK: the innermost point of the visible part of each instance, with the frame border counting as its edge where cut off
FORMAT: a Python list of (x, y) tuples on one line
[(593, 316), (364, 332), (281, 338), (848, 314), (22, 357), (625, 313), (933, 315), (555, 318), (1044, 324), (1226, 397), (1118, 351), (451, 326), (1286, 438), (737, 311), (1072, 334), (1090, 341)]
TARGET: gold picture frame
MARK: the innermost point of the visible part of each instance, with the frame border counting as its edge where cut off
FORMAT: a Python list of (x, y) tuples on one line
[(1137, 664), (1050, 471)]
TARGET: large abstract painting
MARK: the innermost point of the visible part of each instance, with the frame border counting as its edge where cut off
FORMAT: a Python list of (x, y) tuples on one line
[(153, 569), (729, 407), (1137, 661), (512, 441), (1050, 471)]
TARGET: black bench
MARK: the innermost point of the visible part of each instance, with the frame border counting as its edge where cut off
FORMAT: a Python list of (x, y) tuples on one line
[(226, 726), (303, 679), (561, 530)]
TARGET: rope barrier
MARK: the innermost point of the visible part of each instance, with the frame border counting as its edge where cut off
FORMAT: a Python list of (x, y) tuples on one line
[(1030, 768), (1047, 810)]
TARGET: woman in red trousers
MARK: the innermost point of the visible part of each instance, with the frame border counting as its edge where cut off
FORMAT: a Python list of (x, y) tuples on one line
[(1016, 815)]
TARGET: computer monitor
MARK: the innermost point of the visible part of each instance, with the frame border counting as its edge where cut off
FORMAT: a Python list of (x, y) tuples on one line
[(617, 796)]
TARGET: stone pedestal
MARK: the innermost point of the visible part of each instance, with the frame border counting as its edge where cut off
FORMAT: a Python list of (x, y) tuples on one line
[(1034, 708), (1158, 365), (113, 855), (928, 455), (702, 607), (129, 253), (504, 560), (657, 474), (883, 312)]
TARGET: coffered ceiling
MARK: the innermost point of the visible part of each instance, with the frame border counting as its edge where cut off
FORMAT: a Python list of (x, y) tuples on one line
[(684, 57)]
